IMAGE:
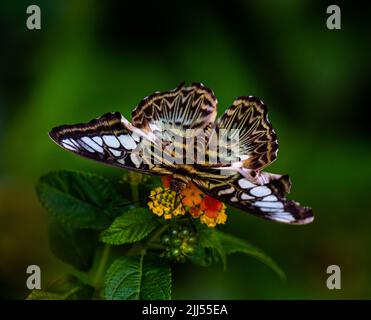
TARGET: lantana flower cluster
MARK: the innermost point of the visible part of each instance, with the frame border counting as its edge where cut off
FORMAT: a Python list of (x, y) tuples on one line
[(164, 202)]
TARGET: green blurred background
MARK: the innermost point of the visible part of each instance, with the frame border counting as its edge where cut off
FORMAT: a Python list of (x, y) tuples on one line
[(93, 57)]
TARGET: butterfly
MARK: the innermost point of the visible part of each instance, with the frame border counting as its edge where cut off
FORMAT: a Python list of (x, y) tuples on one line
[(176, 133)]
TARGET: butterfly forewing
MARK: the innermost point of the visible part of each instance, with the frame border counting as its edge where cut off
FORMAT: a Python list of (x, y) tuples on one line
[(183, 108), (112, 140), (177, 118)]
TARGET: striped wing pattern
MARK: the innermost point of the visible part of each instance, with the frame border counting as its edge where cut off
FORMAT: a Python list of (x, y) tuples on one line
[(249, 131), (109, 139), (264, 200), (176, 117), (192, 107)]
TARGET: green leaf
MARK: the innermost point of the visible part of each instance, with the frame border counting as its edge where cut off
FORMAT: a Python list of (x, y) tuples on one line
[(66, 288), (81, 200), (209, 238), (223, 244), (141, 277), (73, 246), (204, 257), (71, 288), (233, 244), (132, 226), (43, 295)]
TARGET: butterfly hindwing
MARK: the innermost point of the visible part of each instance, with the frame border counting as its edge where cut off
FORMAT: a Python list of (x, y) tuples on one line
[(110, 139), (264, 200), (250, 135)]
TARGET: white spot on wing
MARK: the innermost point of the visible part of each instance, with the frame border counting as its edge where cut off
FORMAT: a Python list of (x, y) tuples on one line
[(67, 144), (267, 204), (135, 159), (244, 183), (122, 161), (74, 143), (245, 196), (271, 210), (98, 140), (260, 191), (115, 152), (92, 144), (86, 146), (283, 216), (226, 191), (127, 141), (111, 141), (270, 198), (69, 147)]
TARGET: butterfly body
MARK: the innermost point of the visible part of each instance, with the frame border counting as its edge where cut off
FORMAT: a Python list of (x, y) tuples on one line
[(175, 133)]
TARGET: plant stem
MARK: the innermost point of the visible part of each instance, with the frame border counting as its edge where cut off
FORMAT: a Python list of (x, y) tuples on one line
[(134, 180), (157, 234), (140, 247), (135, 249), (102, 265)]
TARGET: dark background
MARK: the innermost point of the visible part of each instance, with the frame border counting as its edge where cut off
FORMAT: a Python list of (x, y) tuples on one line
[(93, 57)]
